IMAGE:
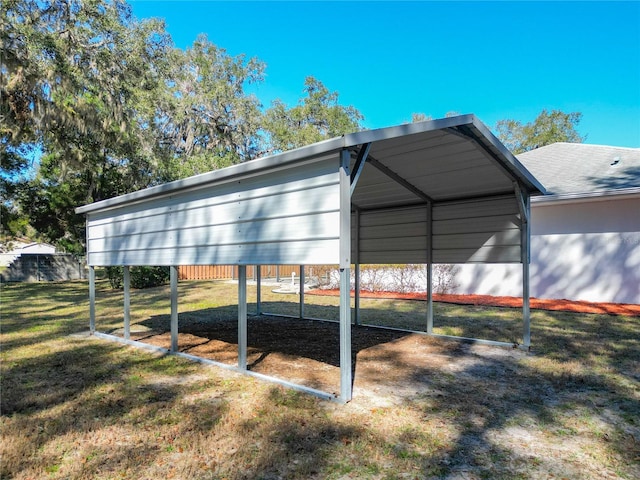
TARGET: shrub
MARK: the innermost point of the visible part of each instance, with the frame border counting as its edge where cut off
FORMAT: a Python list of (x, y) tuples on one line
[(141, 277), (115, 276), (444, 278)]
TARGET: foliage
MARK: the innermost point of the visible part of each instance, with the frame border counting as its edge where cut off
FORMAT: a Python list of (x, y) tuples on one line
[(317, 116), (444, 278), (403, 278), (141, 277), (95, 103), (72, 73), (547, 128), (205, 118)]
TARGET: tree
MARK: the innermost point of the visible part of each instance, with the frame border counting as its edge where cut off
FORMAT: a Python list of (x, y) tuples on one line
[(317, 116), (547, 128), (205, 118), (74, 74), (71, 70), (94, 103)]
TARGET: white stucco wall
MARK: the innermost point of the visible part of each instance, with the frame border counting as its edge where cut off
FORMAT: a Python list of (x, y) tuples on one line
[(581, 250)]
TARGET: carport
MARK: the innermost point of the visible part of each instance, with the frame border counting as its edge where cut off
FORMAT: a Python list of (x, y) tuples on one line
[(441, 191)]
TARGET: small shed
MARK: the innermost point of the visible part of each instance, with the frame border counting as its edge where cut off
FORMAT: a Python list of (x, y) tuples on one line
[(441, 191)]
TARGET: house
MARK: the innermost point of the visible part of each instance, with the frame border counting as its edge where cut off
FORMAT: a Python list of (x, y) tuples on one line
[(585, 233)]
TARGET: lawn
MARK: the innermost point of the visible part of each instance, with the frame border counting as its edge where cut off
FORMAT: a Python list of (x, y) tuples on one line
[(74, 406)]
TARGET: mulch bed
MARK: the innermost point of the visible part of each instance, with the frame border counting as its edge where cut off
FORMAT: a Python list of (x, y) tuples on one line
[(514, 302)]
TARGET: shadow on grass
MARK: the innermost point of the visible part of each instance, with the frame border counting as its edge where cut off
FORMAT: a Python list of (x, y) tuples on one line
[(496, 418), (86, 386), (478, 412)]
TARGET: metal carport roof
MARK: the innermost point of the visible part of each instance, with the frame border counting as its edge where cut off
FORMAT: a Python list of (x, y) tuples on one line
[(446, 159), (440, 191)]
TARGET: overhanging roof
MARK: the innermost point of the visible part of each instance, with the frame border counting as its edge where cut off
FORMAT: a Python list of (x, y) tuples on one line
[(448, 159)]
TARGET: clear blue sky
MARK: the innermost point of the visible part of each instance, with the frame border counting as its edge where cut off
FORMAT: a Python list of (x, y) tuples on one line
[(391, 59)]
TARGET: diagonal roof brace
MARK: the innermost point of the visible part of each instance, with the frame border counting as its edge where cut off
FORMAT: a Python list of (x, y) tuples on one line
[(359, 165), (466, 133), (398, 179), (520, 199)]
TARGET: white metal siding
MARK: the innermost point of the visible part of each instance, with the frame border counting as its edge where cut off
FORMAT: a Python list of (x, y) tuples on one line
[(467, 231), (288, 216)]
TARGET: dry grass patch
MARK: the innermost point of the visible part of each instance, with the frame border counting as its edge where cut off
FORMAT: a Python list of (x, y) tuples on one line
[(78, 407)]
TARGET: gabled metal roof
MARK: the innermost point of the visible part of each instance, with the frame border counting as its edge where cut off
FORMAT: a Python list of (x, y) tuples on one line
[(438, 160)]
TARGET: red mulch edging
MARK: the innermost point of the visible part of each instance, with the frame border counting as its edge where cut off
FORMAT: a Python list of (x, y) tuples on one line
[(515, 302)]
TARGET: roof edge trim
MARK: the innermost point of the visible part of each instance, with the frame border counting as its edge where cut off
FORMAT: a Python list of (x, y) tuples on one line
[(250, 167), (549, 200), (516, 167)]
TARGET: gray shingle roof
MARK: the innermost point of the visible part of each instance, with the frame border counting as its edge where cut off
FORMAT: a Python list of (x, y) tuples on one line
[(580, 168)]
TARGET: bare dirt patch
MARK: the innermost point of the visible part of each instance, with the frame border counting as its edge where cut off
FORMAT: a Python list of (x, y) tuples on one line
[(387, 364)]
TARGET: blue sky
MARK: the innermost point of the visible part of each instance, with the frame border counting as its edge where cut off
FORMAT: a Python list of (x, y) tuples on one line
[(391, 59)]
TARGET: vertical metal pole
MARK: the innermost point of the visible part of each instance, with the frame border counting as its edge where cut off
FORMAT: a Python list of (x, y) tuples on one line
[(258, 290), (92, 299), (127, 301), (429, 268), (277, 273), (429, 298), (346, 374), (174, 308), (242, 317), (301, 291), (526, 259), (356, 292)]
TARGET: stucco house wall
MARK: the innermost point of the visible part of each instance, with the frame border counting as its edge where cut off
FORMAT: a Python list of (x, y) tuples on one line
[(585, 236), (588, 250)]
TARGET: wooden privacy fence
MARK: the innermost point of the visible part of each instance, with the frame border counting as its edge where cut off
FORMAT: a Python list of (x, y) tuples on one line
[(222, 272)]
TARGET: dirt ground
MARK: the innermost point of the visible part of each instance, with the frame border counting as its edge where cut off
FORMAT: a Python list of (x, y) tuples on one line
[(382, 360)]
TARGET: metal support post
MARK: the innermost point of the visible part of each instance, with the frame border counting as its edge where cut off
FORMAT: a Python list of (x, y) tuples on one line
[(174, 308), (127, 301), (430, 268), (346, 374), (92, 299), (242, 317), (301, 291), (258, 290), (356, 287), (356, 295), (429, 298), (526, 259)]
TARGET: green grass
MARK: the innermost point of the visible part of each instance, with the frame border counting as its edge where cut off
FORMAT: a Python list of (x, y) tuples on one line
[(73, 406)]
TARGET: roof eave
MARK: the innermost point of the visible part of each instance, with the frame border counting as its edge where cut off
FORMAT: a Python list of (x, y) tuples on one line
[(556, 199), (510, 161), (242, 169)]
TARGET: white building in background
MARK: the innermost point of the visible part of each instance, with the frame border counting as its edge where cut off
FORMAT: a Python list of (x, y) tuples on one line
[(585, 234), (17, 249)]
